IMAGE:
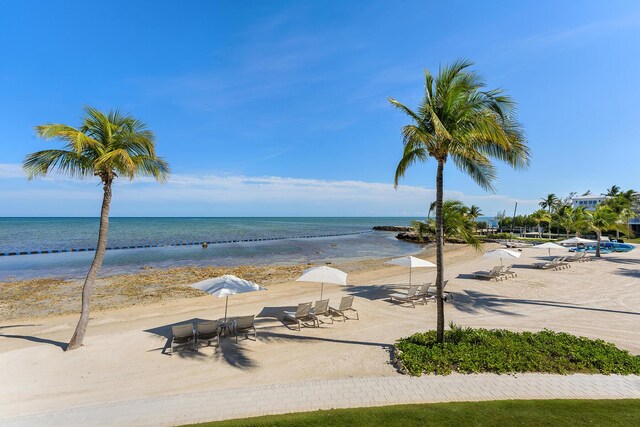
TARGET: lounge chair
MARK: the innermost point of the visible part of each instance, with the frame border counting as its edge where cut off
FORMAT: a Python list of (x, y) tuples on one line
[(346, 304), (409, 297), (322, 309), (433, 291), (244, 325), (302, 316), (182, 337), (507, 272), (423, 293), (494, 273), (555, 264), (206, 333)]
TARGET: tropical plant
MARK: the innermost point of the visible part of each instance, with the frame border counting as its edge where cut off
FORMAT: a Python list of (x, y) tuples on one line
[(459, 119), (106, 146), (612, 192), (458, 223), (550, 203), (540, 216), (601, 219)]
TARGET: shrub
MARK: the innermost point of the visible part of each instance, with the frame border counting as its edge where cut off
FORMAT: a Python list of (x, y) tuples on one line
[(468, 350)]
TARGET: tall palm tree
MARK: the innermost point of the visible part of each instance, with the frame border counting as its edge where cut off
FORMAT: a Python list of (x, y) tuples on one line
[(459, 119), (601, 219), (549, 203), (106, 146)]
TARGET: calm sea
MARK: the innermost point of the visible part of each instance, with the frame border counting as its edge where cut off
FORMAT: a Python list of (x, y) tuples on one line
[(38, 234)]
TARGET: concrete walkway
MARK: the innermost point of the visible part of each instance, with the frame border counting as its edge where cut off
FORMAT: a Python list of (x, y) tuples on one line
[(344, 393)]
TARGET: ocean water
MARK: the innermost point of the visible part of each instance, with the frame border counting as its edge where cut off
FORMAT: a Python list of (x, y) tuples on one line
[(349, 239)]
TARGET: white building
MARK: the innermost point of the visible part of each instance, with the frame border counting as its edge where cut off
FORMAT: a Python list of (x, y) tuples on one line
[(588, 202), (591, 201)]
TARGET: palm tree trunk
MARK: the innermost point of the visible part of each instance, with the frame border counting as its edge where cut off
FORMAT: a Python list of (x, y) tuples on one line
[(87, 288), (439, 250), (549, 222), (598, 234)]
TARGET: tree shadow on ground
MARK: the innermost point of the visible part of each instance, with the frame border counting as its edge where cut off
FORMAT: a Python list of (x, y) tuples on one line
[(474, 302), (375, 292), (620, 260), (62, 345), (18, 326), (628, 272)]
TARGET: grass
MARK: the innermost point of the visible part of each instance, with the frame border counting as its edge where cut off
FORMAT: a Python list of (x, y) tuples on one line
[(469, 350), (535, 413)]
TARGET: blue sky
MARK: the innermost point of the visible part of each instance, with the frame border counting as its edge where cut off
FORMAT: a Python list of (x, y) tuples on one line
[(280, 108)]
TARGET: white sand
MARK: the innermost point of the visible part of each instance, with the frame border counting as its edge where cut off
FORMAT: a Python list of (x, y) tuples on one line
[(122, 357)]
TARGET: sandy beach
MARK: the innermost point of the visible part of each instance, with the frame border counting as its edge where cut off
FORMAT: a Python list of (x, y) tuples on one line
[(122, 358)]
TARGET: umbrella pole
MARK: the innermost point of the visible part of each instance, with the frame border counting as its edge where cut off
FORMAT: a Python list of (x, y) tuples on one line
[(225, 308), (549, 254), (321, 289), (409, 276)]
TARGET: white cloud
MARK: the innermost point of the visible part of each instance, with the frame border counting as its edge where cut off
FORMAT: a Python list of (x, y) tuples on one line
[(8, 170), (210, 194)]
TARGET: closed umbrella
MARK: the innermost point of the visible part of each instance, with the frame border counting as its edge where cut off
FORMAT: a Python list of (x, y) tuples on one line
[(323, 275), (502, 253), (226, 285), (549, 246), (411, 262)]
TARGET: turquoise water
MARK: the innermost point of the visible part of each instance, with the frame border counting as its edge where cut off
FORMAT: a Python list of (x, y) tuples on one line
[(38, 234)]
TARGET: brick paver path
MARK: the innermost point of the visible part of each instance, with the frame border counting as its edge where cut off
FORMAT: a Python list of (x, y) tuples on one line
[(343, 393)]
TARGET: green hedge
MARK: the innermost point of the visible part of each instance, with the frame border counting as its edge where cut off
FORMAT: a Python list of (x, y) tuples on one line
[(468, 350)]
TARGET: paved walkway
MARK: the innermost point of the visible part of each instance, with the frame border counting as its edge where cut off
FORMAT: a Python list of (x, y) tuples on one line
[(344, 393)]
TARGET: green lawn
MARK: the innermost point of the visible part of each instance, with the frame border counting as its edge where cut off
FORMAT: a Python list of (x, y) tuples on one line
[(536, 413)]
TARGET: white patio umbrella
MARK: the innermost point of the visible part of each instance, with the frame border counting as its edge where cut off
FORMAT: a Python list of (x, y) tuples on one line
[(549, 246), (411, 262), (502, 253), (576, 240), (323, 275), (226, 285)]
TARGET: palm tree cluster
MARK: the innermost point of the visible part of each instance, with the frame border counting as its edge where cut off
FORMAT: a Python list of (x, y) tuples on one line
[(459, 224), (555, 212)]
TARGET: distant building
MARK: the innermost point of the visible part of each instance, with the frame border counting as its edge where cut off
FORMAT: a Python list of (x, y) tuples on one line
[(588, 202), (591, 201)]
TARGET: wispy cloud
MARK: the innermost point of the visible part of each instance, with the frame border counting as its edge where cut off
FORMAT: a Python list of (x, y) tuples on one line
[(569, 34), (188, 194)]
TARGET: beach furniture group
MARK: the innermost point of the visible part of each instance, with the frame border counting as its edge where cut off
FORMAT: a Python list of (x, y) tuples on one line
[(192, 336), (308, 316), (419, 294)]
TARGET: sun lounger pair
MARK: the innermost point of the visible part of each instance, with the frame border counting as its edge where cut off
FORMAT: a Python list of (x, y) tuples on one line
[(307, 316), (186, 337), (499, 272), (577, 257), (555, 264), (418, 294)]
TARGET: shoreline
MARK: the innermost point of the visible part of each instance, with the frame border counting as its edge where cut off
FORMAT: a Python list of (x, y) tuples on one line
[(46, 297)]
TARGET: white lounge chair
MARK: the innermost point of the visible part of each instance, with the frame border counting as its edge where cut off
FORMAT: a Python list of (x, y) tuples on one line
[(433, 291), (507, 272), (322, 309), (244, 325), (409, 297), (207, 333), (494, 273), (302, 316), (346, 305), (182, 337)]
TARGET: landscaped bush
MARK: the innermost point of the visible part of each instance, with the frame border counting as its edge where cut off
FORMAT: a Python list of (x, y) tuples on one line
[(468, 350)]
